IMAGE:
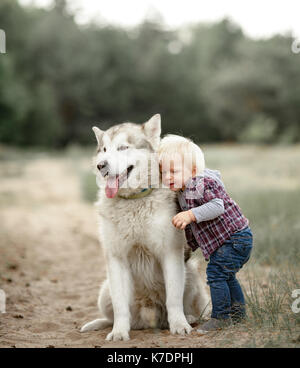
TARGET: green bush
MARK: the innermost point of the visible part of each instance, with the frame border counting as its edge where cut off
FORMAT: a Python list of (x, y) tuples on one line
[(262, 129)]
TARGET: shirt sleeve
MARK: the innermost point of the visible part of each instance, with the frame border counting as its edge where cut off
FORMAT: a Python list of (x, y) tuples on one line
[(209, 210), (211, 191)]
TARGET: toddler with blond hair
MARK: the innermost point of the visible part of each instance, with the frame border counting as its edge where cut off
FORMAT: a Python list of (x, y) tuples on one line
[(212, 221)]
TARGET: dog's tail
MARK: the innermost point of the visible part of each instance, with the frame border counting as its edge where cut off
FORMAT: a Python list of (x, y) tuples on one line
[(97, 324), (204, 305)]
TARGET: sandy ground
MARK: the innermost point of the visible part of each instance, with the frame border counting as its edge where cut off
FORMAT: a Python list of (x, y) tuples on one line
[(51, 264)]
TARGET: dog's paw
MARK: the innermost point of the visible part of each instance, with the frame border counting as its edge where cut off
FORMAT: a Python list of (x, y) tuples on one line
[(117, 335), (180, 328), (191, 319)]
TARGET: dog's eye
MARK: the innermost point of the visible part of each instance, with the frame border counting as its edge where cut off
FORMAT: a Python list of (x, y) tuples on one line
[(104, 149), (122, 148)]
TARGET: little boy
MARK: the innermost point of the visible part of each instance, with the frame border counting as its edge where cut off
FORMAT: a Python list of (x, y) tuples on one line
[(212, 221)]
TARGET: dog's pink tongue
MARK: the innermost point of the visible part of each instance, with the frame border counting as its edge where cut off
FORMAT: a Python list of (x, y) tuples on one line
[(112, 186)]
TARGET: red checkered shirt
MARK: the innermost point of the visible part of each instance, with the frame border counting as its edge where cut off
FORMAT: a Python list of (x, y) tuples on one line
[(210, 235)]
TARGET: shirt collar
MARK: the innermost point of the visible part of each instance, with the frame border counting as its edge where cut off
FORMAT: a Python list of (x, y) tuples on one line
[(192, 183)]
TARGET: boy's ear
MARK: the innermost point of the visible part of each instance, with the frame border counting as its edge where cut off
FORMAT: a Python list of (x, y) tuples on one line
[(194, 170), (98, 133)]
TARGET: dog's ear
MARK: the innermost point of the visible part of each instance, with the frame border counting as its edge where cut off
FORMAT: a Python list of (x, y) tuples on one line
[(98, 133), (152, 129)]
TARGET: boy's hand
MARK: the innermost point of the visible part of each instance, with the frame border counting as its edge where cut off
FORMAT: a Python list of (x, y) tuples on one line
[(182, 219)]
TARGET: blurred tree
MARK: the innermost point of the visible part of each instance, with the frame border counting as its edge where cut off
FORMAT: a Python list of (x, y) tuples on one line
[(209, 81)]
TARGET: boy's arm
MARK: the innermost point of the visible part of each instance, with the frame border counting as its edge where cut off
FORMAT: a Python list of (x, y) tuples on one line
[(209, 210), (213, 202)]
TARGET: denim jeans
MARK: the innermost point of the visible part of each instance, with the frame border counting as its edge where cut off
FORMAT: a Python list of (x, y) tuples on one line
[(226, 293)]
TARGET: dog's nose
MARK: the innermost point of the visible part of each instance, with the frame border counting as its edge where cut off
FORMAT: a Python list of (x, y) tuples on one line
[(101, 165)]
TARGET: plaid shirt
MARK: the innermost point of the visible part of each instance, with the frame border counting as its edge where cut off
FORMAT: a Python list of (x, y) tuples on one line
[(210, 235)]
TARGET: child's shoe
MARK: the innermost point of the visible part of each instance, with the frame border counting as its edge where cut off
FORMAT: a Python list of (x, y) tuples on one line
[(214, 324), (238, 313)]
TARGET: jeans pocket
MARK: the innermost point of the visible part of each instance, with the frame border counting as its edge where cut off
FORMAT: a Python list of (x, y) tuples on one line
[(243, 234), (243, 246)]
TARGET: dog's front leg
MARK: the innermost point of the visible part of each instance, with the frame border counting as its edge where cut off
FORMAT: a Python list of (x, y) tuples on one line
[(173, 269), (120, 288)]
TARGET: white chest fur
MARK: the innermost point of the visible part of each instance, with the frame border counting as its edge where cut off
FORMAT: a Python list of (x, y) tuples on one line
[(146, 222)]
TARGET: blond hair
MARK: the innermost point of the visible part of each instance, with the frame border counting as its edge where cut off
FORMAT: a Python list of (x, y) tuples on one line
[(173, 146)]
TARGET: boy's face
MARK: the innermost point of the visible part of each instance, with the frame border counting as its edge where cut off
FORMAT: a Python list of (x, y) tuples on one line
[(175, 174)]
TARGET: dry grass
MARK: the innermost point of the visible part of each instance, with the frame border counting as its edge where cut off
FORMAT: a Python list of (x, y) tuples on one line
[(50, 258)]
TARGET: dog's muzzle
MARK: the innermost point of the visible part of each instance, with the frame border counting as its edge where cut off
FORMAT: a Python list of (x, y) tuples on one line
[(113, 181), (103, 168)]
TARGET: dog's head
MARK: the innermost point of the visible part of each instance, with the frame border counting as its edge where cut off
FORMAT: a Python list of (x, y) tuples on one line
[(123, 155)]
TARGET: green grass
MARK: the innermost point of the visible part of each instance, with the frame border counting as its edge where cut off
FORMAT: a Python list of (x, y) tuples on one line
[(269, 300), (274, 219)]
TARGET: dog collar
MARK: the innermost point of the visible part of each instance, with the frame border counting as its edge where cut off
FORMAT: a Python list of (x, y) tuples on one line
[(143, 193)]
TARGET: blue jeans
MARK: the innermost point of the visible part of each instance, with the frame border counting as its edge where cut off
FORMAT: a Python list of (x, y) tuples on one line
[(226, 293)]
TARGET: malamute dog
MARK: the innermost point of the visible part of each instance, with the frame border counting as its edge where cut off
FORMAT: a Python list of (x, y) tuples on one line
[(149, 284)]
